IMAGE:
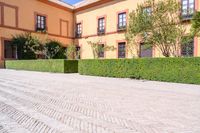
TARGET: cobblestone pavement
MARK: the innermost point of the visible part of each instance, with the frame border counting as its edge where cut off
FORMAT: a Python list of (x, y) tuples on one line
[(69, 103)]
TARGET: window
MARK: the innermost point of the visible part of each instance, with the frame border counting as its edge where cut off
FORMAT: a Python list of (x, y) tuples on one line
[(122, 50), (101, 25), (147, 10), (122, 21), (78, 30), (145, 51), (187, 49), (41, 23), (10, 50), (78, 54), (188, 8), (101, 51)]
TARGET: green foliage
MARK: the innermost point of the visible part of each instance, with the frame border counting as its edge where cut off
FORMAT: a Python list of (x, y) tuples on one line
[(195, 30), (54, 50), (28, 46), (57, 66), (71, 51), (71, 66), (23, 47), (97, 48), (181, 70), (160, 28)]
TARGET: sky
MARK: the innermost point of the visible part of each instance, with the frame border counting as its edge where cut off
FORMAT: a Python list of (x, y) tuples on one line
[(72, 1)]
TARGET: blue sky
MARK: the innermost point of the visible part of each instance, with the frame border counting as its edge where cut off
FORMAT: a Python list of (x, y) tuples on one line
[(72, 1)]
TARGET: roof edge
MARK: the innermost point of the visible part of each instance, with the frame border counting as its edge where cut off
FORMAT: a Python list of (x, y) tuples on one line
[(90, 5)]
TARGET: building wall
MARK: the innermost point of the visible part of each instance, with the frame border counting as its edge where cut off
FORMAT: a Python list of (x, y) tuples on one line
[(197, 40), (18, 16), (89, 18)]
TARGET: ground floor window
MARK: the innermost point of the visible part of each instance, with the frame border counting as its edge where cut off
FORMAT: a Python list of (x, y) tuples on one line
[(187, 49), (122, 50), (101, 51), (78, 52), (145, 51), (10, 50)]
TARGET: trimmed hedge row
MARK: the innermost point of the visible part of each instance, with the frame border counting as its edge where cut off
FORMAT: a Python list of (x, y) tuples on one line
[(179, 70), (57, 66), (1, 64)]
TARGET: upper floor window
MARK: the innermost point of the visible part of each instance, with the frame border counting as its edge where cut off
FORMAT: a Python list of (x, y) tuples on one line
[(78, 30), (101, 25), (122, 21), (188, 8), (101, 51), (122, 50), (187, 49), (41, 23)]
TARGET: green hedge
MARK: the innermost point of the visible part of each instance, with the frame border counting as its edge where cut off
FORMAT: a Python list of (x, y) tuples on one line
[(180, 70), (57, 66)]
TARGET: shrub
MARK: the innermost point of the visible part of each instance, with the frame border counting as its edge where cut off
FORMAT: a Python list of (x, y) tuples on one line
[(54, 50), (23, 49), (180, 70), (57, 66), (1, 64), (29, 47), (71, 66), (71, 52)]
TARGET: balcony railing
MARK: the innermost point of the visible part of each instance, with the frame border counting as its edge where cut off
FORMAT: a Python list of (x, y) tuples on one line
[(78, 35), (121, 27), (187, 14), (39, 29), (100, 31), (186, 17)]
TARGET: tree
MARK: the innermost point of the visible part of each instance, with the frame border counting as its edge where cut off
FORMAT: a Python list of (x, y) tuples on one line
[(97, 48), (195, 30), (139, 23), (53, 50), (160, 27), (71, 52), (47, 49), (23, 49), (35, 45)]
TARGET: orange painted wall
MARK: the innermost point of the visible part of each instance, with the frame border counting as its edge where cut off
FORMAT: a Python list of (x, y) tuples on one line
[(18, 16)]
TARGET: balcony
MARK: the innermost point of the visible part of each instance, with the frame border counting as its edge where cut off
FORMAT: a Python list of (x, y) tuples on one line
[(187, 14), (39, 29), (78, 35), (121, 27), (186, 17), (100, 31)]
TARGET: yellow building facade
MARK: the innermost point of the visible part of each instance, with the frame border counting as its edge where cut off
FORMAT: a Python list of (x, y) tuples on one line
[(102, 21)]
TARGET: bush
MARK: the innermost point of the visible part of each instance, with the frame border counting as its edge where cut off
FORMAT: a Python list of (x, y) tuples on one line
[(23, 50), (1, 64), (57, 66), (180, 70), (54, 50)]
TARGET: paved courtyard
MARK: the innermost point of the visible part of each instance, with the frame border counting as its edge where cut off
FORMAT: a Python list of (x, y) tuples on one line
[(69, 103)]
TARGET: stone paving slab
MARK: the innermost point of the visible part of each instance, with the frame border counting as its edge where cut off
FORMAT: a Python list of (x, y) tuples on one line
[(35, 102)]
